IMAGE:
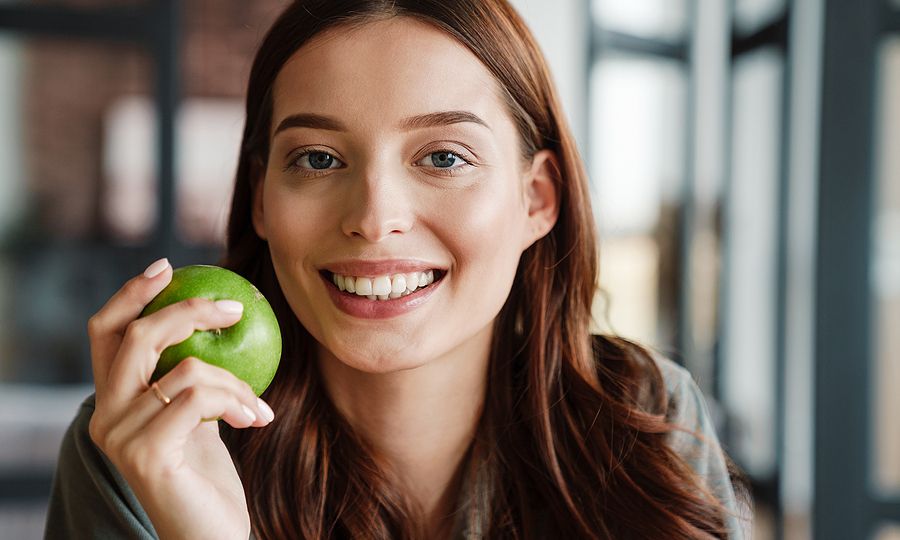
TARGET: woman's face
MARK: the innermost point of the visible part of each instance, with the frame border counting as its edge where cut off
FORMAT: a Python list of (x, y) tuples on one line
[(393, 154)]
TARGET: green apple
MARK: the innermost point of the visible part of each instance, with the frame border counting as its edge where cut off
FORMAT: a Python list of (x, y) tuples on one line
[(250, 349)]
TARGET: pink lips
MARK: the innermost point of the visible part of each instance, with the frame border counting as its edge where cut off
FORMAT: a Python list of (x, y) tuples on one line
[(362, 307)]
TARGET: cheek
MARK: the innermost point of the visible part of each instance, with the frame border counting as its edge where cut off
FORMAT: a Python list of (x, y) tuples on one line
[(484, 233), (290, 222), (293, 227)]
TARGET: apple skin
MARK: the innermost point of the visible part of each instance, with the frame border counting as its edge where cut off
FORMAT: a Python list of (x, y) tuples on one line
[(250, 349)]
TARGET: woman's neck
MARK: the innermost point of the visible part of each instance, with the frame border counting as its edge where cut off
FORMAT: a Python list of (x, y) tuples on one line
[(422, 420)]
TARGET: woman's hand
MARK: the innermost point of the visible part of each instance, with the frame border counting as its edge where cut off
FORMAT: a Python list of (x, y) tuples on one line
[(177, 465)]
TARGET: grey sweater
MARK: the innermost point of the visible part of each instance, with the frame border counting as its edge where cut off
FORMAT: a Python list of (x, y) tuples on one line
[(91, 500)]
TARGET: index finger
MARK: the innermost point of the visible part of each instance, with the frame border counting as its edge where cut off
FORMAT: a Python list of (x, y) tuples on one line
[(107, 327)]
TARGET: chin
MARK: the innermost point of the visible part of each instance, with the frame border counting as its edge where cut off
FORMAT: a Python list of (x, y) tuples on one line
[(379, 360)]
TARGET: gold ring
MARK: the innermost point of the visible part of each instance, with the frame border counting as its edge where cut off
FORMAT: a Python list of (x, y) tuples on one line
[(159, 394)]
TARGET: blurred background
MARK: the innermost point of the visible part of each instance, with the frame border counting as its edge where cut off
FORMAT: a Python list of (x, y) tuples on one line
[(745, 164)]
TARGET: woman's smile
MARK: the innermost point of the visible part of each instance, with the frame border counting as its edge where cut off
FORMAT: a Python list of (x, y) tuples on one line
[(380, 289)]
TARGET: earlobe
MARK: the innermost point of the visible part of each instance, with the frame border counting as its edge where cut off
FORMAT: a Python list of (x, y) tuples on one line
[(541, 194), (258, 180)]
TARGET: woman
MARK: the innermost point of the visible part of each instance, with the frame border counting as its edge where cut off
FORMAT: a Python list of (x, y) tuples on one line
[(411, 202)]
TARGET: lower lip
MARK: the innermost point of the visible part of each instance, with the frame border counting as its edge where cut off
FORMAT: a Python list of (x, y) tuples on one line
[(363, 308)]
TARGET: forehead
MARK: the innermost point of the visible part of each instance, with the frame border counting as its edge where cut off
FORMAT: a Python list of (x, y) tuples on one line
[(383, 71)]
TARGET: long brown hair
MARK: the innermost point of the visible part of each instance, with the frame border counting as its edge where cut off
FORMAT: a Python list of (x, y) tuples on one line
[(572, 440)]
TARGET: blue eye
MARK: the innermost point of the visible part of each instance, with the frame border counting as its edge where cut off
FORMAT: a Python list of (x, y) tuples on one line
[(319, 160), (445, 159), (313, 160)]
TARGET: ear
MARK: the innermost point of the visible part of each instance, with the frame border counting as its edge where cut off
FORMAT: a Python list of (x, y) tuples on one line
[(541, 196), (257, 181)]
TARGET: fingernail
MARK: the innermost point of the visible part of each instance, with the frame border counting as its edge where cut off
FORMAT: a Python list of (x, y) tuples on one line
[(248, 413), (267, 412), (229, 306), (154, 269)]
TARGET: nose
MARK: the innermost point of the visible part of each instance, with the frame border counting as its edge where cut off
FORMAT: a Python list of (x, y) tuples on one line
[(377, 206)]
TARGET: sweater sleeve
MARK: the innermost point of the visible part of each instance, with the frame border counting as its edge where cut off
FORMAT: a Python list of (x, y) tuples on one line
[(89, 498), (688, 409)]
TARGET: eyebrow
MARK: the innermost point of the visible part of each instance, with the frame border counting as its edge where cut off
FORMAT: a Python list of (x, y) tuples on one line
[(318, 121), (444, 118)]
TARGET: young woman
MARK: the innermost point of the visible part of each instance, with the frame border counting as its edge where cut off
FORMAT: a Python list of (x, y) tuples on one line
[(411, 202)]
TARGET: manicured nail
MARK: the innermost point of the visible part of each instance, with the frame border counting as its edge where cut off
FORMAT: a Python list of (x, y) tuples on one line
[(267, 412), (248, 413), (229, 306), (154, 269)]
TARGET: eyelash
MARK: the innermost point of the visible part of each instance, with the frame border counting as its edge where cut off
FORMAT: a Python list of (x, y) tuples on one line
[(293, 168)]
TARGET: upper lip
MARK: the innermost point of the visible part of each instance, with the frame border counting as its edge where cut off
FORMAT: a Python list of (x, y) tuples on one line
[(374, 268)]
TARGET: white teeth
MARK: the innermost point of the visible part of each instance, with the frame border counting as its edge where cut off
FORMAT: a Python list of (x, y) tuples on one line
[(384, 287), (398, 284), (381, 286), (363, 286)]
